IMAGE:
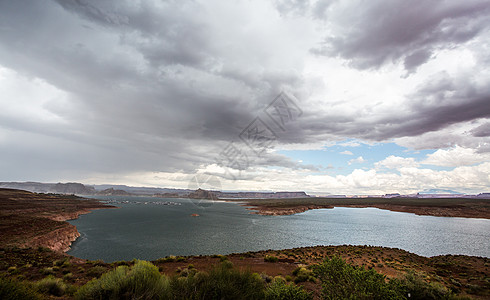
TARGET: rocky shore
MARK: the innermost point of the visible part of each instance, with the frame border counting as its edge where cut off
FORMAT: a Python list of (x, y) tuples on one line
[(463, 209), (58, 240), (39, 220)]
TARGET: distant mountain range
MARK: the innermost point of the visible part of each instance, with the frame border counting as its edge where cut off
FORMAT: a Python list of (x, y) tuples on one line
[(58, 188), (440, 191), (124, 190)]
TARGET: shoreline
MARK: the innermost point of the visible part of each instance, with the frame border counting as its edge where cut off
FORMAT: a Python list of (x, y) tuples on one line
[(426, 207), (266, 211), (40, 220)]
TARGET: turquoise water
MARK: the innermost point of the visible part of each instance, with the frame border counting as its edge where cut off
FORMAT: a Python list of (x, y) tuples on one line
[(150, 231)]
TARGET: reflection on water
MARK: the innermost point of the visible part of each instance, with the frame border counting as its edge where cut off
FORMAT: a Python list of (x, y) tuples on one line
[(150, 231)]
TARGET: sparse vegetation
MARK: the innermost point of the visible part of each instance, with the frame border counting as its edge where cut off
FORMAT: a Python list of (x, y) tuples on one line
[(449, 276), (11, 289), (51, 286), (141, 281), (271, 258), (280, 290)]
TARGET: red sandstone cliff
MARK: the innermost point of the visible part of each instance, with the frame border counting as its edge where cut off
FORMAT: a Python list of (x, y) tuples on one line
[(57, 240)]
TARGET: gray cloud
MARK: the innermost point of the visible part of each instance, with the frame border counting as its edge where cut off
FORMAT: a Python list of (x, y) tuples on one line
[(166, 85), (146, 90), (439, 103), (379, 32), (482, 130)]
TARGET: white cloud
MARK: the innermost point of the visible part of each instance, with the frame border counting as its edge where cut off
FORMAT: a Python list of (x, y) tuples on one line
[(346, 152), (358, 160), (396, 162), (409, 180), (456, 157), (350, 144)]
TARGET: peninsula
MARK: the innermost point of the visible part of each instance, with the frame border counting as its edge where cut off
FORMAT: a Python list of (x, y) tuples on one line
[(38, 220), (440, 207)]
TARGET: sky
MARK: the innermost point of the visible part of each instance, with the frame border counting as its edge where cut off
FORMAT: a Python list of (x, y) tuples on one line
[(327, 97)]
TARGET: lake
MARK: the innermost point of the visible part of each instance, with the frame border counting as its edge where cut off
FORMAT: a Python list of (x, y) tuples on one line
[(164, 227)]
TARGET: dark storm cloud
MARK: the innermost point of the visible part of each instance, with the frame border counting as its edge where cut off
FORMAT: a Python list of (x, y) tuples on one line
[(167, 34), (166, 85), (143, 90), (371, 34), (441, 102), (482, 130)]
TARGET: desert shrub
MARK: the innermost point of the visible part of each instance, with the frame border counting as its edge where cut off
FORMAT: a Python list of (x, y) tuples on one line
[(170, 258), (280, 290), (185, 287), (48, 271), (303, 274), (343, 281), (270, 258), (266, 278), (418, 288), (187, 272), (120, 263), (68, 276), (11, 289), (51, 286), (98, 262), (223, 258), (222, 282), (96, 271), (60, 262), (141, 281), (225, 282)]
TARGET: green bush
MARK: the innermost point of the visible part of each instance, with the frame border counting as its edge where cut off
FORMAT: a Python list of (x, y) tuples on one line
[(11, 289), (51, 286), (343, 281), (223, 258), (303, 274), (47, 271), (96, 271), (418, 288), (280, 290), (222, 282), (270, 258), (142, 281)]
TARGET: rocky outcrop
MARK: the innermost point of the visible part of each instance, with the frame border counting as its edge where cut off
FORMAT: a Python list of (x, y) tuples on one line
[(462, 212), (274, 211), (38, 220), (72, 188), (58, 240), (113, 192), (202, 194), (261, 195), (58, 188)]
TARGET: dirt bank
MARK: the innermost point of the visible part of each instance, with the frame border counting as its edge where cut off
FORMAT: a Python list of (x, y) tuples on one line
[(443, 207), (39, 220)]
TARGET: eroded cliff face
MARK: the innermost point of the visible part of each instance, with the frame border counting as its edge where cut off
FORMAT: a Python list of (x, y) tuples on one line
[(70, 215), (60, 239), (57, 240), (39, 220)]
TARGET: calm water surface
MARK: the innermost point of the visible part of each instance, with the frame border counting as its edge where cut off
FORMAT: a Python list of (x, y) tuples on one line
[(150, 231)]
